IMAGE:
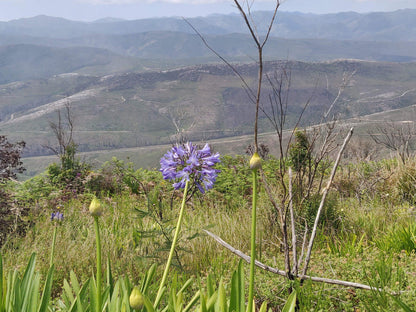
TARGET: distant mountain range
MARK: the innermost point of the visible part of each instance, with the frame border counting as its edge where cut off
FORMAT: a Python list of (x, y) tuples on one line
[(380, 26), (42, 46)]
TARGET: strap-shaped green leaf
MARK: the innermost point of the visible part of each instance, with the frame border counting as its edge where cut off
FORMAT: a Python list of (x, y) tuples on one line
[(290, 303)]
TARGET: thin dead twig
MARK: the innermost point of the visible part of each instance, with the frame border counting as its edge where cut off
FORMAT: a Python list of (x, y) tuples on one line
[(321, 205), (292, 223)]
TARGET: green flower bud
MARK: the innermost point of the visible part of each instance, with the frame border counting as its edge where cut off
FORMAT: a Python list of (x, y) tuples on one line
[(255, 162), (136, 299), (95, 208)]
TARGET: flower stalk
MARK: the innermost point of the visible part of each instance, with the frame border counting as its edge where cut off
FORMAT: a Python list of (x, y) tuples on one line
[(255, 164), (56, 217), (53, 246), (96, 211), (172, 248), (98, 248)]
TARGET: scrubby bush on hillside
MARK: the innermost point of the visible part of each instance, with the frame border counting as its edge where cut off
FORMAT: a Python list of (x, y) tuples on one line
[(10, 165)]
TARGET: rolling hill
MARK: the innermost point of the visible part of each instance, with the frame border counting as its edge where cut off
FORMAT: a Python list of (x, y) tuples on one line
[(205, 102)]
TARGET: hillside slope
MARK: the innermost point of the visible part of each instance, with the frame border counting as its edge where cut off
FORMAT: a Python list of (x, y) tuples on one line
[(203, 102)]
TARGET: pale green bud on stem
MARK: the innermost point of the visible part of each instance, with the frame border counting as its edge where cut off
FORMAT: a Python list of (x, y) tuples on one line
[(96, 209), (136, 298), (255, 161)]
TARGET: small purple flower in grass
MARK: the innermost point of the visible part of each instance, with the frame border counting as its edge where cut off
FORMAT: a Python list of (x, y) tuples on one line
[(187, 163), (58, 216)]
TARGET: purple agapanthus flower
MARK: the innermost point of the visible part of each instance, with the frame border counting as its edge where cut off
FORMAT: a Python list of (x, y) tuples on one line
[(187, 163), (58, 216)]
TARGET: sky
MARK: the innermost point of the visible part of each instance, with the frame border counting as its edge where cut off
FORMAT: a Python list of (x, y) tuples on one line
[(90, 10)]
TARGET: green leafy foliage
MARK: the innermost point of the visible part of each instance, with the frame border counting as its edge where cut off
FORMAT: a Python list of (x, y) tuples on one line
[(330, 217), (23, 293), (69, 177), (300, 151), (215, 300), (233, 184)]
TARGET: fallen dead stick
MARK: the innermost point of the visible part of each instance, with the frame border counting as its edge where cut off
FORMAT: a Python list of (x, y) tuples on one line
[(283, 273)]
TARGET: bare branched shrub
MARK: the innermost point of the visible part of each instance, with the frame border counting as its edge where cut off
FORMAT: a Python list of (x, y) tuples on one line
[(396, 137)]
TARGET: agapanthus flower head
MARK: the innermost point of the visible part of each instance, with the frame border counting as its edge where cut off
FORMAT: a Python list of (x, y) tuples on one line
[(186, 162), (57, 216)]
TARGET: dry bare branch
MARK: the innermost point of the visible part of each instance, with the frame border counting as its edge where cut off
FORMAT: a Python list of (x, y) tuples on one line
[(292, 223), (321, 205)]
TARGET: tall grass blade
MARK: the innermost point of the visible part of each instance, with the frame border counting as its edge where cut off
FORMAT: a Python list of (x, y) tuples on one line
[(210, 303), (186, 285), (114, 298), (74, 282), (210, 285), (67, 294), (125, 307), (192, 302), (148, 305), (46, 295), (401, 304), (203, 306), (2, 294), (82, 298), (33, 299), (110, 280)]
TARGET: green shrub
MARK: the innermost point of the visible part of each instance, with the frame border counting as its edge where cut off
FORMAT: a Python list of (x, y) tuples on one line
[(233, 185), (330, 216), (70, 174)]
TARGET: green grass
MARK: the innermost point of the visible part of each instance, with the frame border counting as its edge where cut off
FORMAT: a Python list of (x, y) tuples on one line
[(136, 231)]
